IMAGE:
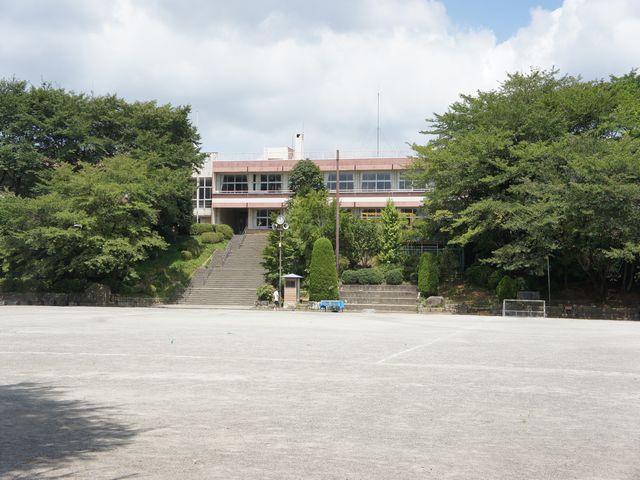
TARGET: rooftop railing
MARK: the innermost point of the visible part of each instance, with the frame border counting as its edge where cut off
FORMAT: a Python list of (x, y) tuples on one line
[(317, 155)]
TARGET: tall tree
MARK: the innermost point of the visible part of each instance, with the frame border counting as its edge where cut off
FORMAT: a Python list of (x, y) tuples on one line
[(44, 127), (543, 167), (305, 177), (391, 227), (91, 224)]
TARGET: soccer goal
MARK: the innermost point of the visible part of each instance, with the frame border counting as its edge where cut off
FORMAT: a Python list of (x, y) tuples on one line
[(524, 308)]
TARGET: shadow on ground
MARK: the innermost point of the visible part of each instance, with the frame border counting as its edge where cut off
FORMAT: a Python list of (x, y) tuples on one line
[(40, 430)]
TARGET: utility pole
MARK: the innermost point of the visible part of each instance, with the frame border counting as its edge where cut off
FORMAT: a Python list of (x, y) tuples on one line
[(549, 280), (338, 212), (378, 130)]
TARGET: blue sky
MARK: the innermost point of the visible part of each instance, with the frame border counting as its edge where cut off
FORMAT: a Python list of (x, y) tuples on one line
[(504, 17), (255, 71)]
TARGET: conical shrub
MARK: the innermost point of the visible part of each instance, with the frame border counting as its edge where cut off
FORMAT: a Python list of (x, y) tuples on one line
[(323, 278)]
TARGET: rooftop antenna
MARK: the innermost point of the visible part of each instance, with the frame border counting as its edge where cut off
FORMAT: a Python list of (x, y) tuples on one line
[(378, 130)]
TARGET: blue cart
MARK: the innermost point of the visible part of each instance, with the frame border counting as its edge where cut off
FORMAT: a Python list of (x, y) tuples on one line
[(332, 305)]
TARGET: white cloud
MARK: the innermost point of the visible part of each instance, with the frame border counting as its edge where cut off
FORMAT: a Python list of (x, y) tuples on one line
[(255, 78)]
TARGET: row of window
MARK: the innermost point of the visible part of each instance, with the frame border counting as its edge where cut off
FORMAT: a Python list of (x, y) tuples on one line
[(264, 217), (371, 181)]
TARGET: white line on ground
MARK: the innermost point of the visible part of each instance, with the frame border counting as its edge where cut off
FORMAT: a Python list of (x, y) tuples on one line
[(426, 344), (164, 355), (491, 368)]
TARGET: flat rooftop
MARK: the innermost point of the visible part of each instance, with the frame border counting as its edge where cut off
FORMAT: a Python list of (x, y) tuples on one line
[(108, 393)]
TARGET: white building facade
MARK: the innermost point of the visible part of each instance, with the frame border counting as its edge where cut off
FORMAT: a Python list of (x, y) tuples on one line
[(245, 193)]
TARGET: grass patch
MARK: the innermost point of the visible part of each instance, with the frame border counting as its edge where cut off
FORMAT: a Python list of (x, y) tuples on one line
[(166, 274)]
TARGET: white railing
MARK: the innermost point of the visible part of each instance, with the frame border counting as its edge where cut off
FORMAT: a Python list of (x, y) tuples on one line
[(318, 155), (354, 190)]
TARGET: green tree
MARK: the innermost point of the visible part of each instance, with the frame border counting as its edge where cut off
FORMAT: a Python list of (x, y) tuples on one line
[(91, 224), (390, 247), (44, 127), (323, 278), (310, 217), (364, 241), (544, 166), (305, 177), (428, 274)]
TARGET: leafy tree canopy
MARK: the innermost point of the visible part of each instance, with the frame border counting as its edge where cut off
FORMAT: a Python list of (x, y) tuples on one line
[(305, 177), (91, 224), (42, 128), (547, 165)]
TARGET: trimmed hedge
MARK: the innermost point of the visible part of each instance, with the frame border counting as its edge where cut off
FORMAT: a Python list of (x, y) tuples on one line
[(370, 276), (350, 277), (225, 230), (200, 228), (428, 274), (211, 237), (323, 279), (394, 277), (186, 255)]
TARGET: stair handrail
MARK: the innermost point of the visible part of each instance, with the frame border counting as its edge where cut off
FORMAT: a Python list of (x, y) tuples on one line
[(244, 235), (225, 255)]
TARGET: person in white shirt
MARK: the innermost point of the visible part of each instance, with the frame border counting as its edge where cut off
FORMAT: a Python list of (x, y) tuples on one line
[(276, 298)]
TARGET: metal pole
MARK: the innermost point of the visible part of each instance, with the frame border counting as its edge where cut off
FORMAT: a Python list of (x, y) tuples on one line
[(549, 280), (378, 130), (338, 212), (280, 266)]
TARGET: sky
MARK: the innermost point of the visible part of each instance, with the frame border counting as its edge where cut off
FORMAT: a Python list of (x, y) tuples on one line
[(256, 72)]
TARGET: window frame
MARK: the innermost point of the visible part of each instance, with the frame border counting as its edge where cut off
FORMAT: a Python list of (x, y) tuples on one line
[(374, 179), (270, 184), (345, 181), (234, 180)]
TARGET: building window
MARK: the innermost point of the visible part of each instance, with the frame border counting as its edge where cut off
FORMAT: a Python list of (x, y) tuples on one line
[(263, 218), (234, 183), (271, 182), (376, 181), (204, 192), (346, 181), (369, 213), (405, 183)]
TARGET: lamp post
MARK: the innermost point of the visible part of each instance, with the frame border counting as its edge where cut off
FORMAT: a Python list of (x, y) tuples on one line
[(280, 225)]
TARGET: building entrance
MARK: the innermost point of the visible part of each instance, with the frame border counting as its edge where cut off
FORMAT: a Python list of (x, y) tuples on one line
[(236, 218)]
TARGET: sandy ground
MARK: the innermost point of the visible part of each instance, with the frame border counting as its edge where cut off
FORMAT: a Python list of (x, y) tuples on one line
[(107, 393)]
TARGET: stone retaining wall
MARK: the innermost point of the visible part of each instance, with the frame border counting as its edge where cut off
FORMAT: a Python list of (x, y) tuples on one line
[(64, 299)]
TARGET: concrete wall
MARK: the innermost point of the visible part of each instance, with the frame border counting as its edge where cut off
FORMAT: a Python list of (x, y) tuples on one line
[(64, 299)]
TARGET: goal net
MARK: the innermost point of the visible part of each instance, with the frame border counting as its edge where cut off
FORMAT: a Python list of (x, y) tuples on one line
[(524, 308)]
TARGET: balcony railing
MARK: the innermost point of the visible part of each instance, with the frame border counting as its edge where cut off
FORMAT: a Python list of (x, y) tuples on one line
[(354, 190)]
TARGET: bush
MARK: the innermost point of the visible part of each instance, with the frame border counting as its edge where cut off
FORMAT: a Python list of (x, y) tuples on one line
[(394, 277), (265, 292), (211, 237), (200, 228), (370, 276), (225, 230), (507, 288), (494, 279), (349, 277), (428, 274), (186, 255), (478, 275), (323, 279)]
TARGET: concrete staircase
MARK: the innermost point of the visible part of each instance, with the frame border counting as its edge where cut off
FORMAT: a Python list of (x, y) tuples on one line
[(381, 298), (233, 275)]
